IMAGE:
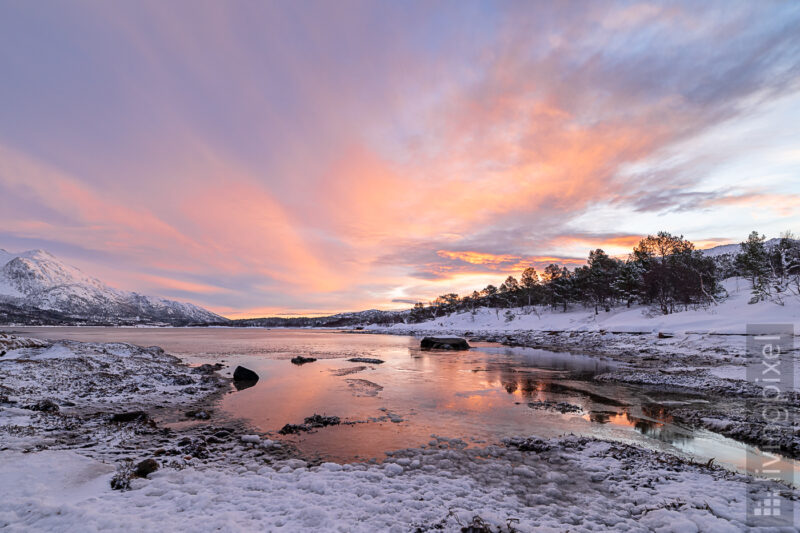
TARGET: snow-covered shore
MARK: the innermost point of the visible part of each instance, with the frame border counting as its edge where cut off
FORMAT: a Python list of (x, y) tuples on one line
[(60, 448), (531, 485)]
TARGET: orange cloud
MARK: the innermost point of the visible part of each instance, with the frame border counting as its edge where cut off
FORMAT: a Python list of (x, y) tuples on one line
[(478, 258)]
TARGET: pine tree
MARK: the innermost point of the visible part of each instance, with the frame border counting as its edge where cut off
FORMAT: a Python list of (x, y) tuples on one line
[(629, 283), (753, 263), (529, 282)]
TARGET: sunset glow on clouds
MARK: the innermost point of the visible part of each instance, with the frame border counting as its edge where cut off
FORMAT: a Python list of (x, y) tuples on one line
[(262, 158)]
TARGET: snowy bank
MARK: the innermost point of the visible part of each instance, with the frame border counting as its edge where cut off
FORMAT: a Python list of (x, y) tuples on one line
[(570, 483), (729, 317)]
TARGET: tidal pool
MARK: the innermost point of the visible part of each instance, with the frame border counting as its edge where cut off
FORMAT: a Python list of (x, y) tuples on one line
[(480, 396)]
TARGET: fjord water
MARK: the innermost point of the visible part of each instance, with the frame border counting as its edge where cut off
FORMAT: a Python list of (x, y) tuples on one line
[(480, 396)]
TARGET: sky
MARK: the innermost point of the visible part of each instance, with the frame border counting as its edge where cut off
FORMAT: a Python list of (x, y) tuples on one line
[(281, 158)]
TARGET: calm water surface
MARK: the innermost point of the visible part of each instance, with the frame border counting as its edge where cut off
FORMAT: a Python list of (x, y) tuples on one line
[(481, 395)]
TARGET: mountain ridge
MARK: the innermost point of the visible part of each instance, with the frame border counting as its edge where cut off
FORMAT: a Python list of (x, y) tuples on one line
[(36, 280)]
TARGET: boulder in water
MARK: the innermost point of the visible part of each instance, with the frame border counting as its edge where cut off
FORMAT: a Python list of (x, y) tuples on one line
[(244, 374), (444, 343)]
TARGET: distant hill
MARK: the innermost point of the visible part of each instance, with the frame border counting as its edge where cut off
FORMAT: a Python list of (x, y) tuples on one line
[(370, 316), (734, 249), (38, 288)]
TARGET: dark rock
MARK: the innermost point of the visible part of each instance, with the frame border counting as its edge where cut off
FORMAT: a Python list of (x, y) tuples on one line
[(205, 369), (311, 422), (531, 444), (662, 335), (132, 416), (182, 380), (318, 421), (300, 360), (244, 375), (45, 406), (194, 447), (444, 343), (146, 467), (561, 407), (159, 452), (365, 360), (291, 429), (222, 434), (199, 415)]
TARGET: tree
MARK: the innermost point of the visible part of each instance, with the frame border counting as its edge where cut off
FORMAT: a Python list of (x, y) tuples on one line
[(558, 286), (419, 313), (784, 262), (510, 285), (601, 272), (753, 263), (529, 282), (673, 272), (628, 284), (508, 289)]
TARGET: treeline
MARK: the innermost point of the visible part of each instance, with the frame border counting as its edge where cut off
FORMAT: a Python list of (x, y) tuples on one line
[(663, 271), (372, 316)]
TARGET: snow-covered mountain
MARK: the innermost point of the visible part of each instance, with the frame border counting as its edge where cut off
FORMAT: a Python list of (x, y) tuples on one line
[(37, 280), (734, 249)]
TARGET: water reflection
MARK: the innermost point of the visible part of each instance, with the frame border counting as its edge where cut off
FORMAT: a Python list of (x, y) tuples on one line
[(242, 385)]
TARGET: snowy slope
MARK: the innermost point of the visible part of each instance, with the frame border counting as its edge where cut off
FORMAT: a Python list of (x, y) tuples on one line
[(38, 279), (731, 315)]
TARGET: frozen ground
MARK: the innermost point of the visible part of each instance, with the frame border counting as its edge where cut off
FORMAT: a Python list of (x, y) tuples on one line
[(558, 485), (66, 395), (57, 460)]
